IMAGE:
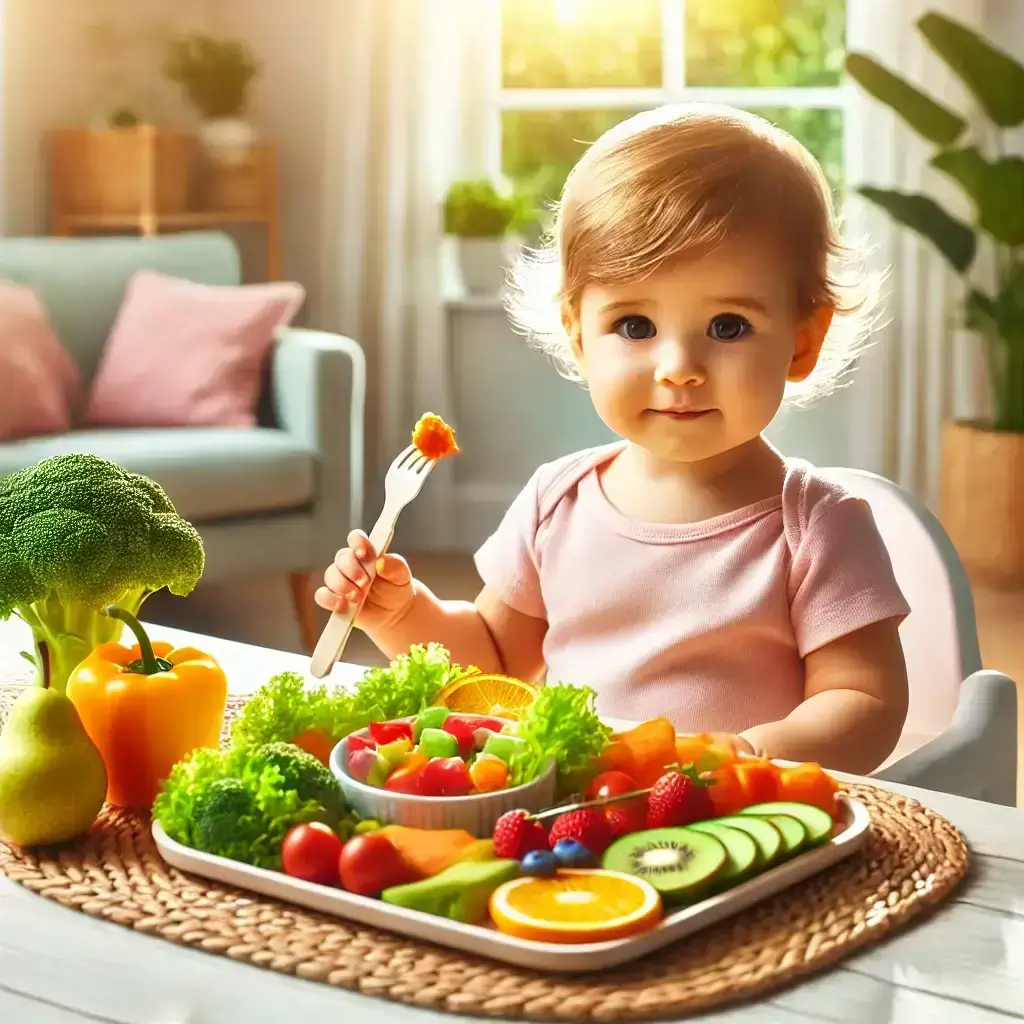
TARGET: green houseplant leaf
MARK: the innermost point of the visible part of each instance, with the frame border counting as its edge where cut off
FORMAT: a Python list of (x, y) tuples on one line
[(928, 118), (954, 239), (476, 209), (997, 190), (993, 76)]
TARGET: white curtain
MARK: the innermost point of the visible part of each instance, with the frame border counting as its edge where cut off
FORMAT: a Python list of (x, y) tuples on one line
[(924, 368), (394, 141)]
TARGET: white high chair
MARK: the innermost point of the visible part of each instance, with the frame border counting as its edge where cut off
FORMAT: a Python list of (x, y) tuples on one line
[(960, 736)]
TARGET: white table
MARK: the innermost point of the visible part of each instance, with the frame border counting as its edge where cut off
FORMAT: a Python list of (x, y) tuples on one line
[(57, 966)]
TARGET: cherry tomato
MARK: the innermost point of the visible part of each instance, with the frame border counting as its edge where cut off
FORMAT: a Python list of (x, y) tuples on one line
[(610, 784), (369, 863), (311, 852)]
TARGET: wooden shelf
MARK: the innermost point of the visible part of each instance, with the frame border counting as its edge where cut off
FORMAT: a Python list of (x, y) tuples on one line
[(189, 219), (142, 180)]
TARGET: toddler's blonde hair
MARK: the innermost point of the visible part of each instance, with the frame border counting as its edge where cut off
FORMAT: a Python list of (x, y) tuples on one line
[(674, 183)]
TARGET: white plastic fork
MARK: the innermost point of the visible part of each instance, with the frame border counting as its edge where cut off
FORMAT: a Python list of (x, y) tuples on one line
[(405, 479)]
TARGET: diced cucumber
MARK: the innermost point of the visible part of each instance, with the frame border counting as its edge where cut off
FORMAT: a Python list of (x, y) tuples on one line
[(817, 823)]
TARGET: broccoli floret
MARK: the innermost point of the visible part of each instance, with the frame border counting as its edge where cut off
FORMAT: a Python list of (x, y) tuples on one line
[(224, 817), (304, 774), (78, 533)]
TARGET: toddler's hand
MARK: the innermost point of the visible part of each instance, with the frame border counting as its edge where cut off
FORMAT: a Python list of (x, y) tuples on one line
[(347, 579), (737, 744)]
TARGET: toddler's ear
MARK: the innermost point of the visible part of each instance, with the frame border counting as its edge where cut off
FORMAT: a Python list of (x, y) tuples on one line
[(810, 336), (571, 325)]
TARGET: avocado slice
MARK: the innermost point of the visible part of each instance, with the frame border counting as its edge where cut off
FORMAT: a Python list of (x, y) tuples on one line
[(460, 892)]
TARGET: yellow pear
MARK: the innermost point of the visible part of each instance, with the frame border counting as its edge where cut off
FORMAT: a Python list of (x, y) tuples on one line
[(52, 777)]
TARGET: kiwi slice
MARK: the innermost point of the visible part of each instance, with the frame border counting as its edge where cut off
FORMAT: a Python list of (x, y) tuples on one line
[(678, 862), (817, 823), (741, 852), (762, 831), (794, 835)]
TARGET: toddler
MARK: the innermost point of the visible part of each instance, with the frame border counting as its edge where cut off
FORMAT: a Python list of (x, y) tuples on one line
[(689, 570)]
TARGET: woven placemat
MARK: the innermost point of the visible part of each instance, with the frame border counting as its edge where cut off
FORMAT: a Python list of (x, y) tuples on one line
[(912, 859)]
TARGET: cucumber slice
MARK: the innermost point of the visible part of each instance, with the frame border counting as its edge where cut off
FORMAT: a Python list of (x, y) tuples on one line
[(763, 832), (741, 852), (794, 835), (678, 862), (817, 822)]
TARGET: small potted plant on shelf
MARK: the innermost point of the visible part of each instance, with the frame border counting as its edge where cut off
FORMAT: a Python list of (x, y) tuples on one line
[(216, 75), (982, 504), (485, 224)]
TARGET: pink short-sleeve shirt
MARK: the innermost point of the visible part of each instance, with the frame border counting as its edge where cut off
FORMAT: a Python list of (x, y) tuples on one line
[(705, 623)]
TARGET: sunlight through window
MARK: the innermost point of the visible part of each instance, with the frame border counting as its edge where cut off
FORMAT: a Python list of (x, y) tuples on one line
[(570, 69)]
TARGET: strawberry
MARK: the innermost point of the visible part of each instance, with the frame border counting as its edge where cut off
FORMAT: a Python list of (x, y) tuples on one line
[(678, 798), (626, 818), (588, 826), (516, 834)]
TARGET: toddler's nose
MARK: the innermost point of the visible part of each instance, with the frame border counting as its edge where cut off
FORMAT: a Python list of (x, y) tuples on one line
[(680, 363)]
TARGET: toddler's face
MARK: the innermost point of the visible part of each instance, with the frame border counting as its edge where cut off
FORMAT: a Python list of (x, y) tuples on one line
[(693, 360)]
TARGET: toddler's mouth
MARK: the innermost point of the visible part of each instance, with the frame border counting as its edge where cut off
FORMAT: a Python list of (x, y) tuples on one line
[(683, 414)]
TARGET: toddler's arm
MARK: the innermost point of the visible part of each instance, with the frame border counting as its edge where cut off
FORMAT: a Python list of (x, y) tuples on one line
[(855, 704), (486, 633)]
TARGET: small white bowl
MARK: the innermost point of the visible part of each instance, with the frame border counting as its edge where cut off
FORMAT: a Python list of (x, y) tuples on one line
[(476, 813)]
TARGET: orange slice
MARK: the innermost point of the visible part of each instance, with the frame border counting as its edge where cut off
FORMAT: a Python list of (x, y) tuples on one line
[(486, 694), (575, 906)]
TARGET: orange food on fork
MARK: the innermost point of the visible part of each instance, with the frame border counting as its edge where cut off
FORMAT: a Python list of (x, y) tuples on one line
[(433, 437)]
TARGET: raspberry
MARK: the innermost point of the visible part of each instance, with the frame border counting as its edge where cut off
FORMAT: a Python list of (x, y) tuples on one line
[(516, 834)]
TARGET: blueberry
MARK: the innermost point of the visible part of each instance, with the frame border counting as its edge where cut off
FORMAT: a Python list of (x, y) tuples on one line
[(542, 863), (571, 853)]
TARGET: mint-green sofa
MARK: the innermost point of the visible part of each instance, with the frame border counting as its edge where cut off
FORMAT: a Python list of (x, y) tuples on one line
[(278, 497)]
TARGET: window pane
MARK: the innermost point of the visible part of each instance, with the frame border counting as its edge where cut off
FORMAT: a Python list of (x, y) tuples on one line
[(765, 42), (540, 147), (821, 131), (576, 44)]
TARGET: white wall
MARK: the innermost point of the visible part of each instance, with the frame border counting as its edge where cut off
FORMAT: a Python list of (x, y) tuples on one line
[(55, 72)]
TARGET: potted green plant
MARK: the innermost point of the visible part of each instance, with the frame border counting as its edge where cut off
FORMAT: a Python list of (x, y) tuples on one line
[(216, 75), (982, 462), (484, 222)]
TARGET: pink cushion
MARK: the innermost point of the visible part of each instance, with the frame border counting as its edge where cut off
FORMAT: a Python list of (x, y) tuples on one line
[(39, 383), (185, 354)]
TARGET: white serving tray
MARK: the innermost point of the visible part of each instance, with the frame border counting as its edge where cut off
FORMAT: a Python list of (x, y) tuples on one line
[(487, 941)]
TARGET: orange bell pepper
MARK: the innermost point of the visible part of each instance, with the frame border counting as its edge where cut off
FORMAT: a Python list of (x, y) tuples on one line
[(146, 708), (759, 779), (809, 783), (725, 790)]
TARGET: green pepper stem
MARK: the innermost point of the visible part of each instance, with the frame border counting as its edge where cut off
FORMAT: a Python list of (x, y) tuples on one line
[(150, 664)]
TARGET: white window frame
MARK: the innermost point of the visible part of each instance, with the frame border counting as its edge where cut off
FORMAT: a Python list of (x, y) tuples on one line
[(494, 99)]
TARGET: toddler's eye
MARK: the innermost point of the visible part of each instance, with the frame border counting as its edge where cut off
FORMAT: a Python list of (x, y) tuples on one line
[(728, 327), (635, 328)]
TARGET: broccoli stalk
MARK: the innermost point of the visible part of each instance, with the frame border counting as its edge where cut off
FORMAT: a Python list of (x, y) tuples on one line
[(79, 533)]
